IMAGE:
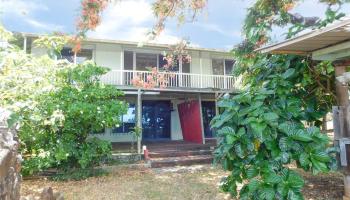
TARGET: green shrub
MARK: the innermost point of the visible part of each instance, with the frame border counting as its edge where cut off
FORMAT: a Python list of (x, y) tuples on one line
[(56, 106), (78, 107), (262, 131)]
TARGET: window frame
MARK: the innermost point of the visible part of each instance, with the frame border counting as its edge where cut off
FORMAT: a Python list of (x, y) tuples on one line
[(158, 53), (131, 105), (224, 65), (74, 56)]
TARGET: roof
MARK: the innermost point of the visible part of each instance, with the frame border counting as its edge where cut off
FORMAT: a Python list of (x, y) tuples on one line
[(133, 43), (333, 34)]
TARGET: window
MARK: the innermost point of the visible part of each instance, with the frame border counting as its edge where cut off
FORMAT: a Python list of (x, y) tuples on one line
[(222, 66), (145, 60), (128, 60), (83, 55), (185, 66), (162, 62), (229, 67), (128, 121), (218, 66)]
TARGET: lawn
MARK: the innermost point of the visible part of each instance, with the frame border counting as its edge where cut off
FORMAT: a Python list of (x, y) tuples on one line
[(143, 183)]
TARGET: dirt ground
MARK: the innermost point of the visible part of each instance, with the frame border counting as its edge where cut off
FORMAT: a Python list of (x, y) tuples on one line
[(198, 182)]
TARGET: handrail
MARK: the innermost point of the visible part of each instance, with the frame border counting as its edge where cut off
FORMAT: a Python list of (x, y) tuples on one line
[(175, 79), (139, 71)]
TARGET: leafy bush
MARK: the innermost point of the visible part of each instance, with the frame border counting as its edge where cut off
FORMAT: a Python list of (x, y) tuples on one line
[(56, 106), (78, 107), (262, 130)]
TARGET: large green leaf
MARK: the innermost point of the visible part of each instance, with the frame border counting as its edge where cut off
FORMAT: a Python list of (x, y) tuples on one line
[(241, 132), (252, 172), (258, 128), (302, 136), (267, 193), (318, 166), (253, 185), (272, 178), (321, 156), (227, 104), (230, 139), (295, 180), (224, 117), (226, 130), (270, 116), (288, 73), (304, 159)]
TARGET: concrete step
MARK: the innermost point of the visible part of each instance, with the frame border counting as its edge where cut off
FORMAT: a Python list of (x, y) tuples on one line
[(178, 153), (182, 147), (181, 161)]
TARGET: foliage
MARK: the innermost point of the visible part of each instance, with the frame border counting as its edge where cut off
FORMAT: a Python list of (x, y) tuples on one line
[(57, 106), (21, 80), (274, 121), (262, 131), (79, 107), (91, 13), (53, 43)]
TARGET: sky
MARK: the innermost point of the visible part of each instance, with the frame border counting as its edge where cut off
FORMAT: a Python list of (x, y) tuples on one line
[(218, 26)]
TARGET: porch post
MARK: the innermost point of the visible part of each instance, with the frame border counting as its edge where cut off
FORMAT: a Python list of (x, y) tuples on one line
[(201, 116), (343, 104), (216, 104), (139, 119)]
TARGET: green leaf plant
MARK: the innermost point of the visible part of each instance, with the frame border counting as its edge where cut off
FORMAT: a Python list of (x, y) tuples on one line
[(57, 107), (262, 131), (273, 123)]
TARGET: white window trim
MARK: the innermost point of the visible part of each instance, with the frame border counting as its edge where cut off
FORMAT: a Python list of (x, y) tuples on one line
[(224, 60), (150, 52)]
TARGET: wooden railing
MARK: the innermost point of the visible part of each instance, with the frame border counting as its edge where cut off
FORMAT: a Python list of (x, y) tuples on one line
[(174, 79)]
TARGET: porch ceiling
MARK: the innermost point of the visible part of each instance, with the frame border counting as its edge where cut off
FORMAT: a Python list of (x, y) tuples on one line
[(336, 33), (169, 95)]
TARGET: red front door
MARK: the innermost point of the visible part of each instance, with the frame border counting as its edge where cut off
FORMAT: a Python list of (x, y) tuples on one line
[(190, 120)]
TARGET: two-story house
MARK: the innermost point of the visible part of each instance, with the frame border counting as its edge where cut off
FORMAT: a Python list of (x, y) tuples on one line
[(180, 111)]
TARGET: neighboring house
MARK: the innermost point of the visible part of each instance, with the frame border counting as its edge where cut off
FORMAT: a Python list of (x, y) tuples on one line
[(180, 111)]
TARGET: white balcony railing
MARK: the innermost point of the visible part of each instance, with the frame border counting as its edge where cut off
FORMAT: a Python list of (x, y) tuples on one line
[(173, 79)]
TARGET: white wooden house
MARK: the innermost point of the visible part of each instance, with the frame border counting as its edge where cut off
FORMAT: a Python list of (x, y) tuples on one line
[(180, 111)]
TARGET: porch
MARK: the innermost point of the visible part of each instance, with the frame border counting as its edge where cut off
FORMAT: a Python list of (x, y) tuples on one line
[(174, 80)]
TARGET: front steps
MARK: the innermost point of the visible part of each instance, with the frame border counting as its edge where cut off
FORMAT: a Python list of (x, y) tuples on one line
[(180, 154)]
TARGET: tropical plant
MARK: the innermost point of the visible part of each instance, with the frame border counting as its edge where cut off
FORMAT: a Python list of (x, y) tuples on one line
[(275, 121), (79, 107), (57, 107), (262, 132)]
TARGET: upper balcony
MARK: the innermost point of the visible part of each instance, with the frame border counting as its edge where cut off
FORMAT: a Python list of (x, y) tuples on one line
[(175, 80)]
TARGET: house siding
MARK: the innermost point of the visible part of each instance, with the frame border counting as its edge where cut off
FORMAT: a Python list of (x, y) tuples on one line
[(112, 55)]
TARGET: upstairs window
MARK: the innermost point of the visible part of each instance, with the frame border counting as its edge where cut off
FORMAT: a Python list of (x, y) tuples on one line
[(145, 60), (218, 66), (229, 67), (82, 55), (128, 60), (222, 66), (142, 61), (163, 62)]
